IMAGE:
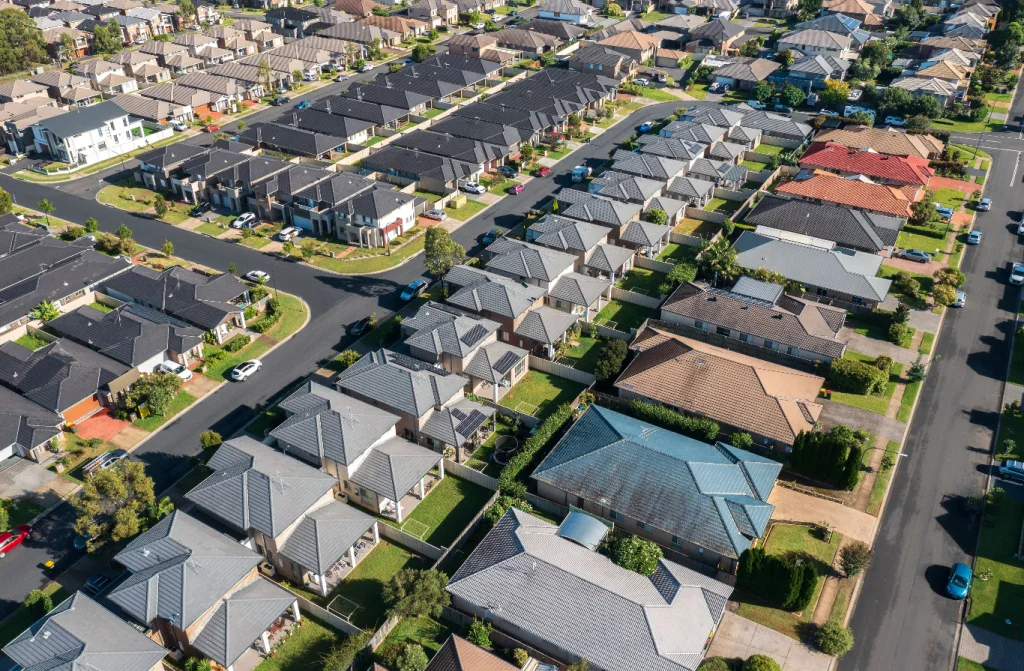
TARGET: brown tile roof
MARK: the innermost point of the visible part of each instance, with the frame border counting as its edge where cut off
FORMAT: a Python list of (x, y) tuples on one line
[(733, 389), (631, 39), (458, 654), (885, 141), (864, 195), (944, 70), (395, 23), (356, 7), (899, 169)]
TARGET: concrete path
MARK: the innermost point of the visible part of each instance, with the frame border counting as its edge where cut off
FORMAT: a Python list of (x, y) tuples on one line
[(992, 650), (834, 414), (872, 347), (739, 638), (793, 506)]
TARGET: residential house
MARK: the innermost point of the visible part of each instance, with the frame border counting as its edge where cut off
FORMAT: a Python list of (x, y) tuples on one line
[(826, 271), (259, 32), (436, 174), (691, 131), (683, 150), (885, 141), (528, 43), (376, 217), (27, 429), (881, 168), (485, 157), (159, 22), (840, 24), (383, 116), (943, 91), (609, 62), (458, 654), (508, 137), (609, 465), (579, 604), (719, 35), (292, 22), (19, 91), (946, 70), (157, 166), (349, 130), (761, 314), (362, 33), (857, 192), (270, 196), (312, 207), (638, 46), (815, 42), (88, 135), (573, 11), (814, 71), (719, 173), (435, 13), (361, 8), (67, 88), (79, 47), (493, 297), (626, 187), (859, 10), (144, 67), (300, 142), (407, 28), (646, 237), (567, 235), (594, 209), (411, 103), (528, 263), (565, 31), (745, 74), (184, 97), (199, 590), (771, 402)]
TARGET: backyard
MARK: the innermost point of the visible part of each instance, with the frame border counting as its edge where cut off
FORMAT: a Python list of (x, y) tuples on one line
[(877, 403), (306, 646), (481, 459), (623, 316), (583, 354), (697, 227), (539, 394), (424, 631), (447, 510), (723, 206), (643, 281)]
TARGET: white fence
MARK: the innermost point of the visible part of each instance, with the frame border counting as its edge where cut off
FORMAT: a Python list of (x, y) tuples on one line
[(653, 302), (325, 616), (470, 474), (411, 542), (704, 215), (561, 370), (528, 420), (756, 156), (382, 633), (653, 264), (783, 142)]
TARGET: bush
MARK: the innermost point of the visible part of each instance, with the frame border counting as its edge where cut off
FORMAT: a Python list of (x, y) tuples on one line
[(412, 658), (898, 332), (210, 439), (698, 428), (237, 343), (341, 657), (714, 664), (856, 556), (833, 457), (786, 583), (636, 554), (257, 292), (39, 602), (544, 436), (609, 361), (480, 633), (520, 657), (834, 639), (501, 506), (856, 377), (347, 358), (742, 440), (883, 363), (761, 663)]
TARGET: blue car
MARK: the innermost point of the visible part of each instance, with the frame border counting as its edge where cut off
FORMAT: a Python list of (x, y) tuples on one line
[(305, 104), (959, 584), (646, 126), (414, 289), (945, 212), (974, 238)]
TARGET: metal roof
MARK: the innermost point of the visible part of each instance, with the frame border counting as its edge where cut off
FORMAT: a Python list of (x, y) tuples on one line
[(583, 529)]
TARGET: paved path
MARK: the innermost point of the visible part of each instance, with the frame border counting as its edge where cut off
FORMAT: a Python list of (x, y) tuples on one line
[(873, 347), (739, 638), (994, 651), (834, 414), (794, 506)]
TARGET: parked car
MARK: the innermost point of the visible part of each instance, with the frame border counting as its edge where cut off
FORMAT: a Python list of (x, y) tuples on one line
[(286, 234), (415, 288), (1012, 469), (81, 542), (13, 538), (104, 461), (257, 276), (715, 87), (439, 215), (310, 77), (508, 171), (179, 126), (201, 208), (95, 585), (341, 78), (175, 368), (243, 220), (984, 205), (1017, 274), (492, 235), (785, 109), (211, 128), (303, 104), (542, 171), (757, 104), (828, 113), (366, 67), (471, 187), (960, 576), (812, 99), (854, 95), (360, 327), (516, 189), (281, 90), (1020, 227), (244, 371), (646, 126), (642, 81), (918, 255), (279, 100), (961, 299), (974, 237), (944, 212), (895, 121)]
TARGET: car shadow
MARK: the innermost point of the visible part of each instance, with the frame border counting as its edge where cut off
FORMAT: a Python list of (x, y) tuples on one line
[(937, 577)]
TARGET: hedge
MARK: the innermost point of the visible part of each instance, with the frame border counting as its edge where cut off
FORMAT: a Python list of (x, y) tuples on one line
[(545, 434), (697, 428), (237, 343), (785, 583), (856, 377), (833, 457)]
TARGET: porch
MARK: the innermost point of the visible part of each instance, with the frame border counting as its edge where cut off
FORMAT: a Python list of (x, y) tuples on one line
[(326, 583)]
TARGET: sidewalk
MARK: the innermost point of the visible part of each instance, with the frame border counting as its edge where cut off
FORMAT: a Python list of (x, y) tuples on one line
[(992, 650)]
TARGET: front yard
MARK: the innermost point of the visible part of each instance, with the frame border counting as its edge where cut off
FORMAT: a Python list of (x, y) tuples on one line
[(466, 211), (877, 403), (623, 316), (996, 600), (151, 423), (914, 237), (132, 197), (21, 618), (447, 510), (539, 394)]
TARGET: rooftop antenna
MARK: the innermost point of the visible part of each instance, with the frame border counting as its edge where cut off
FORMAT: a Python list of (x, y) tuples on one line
[(193, 564), (280, 483), (350, 417), (647, 432)]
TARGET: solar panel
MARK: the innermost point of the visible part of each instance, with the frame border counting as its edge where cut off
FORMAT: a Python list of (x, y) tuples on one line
[(459, 415), (473, 335), (507, 360), (471, 423)]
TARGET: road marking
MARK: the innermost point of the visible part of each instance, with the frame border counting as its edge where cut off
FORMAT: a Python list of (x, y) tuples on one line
[(1015, 165)]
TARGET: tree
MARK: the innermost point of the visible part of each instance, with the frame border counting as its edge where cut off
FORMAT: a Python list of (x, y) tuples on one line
[(5, 202), (742, 440), (919, 122), (46, 311), (835, 92), (265, 75), (480, 633), (527, 152), (925, 106), (210, 439), (296, 77), (752, 48), (612, 9), (949, 275), (347, 358), (242, 126), (923, 212), (855, 557), (67, 46), (340, 658), (374, 51), (656, 216), (39, 602), (834, 639), (793, 96), (47, 208), (91, 225), (380, 10), (160, 204), (21, 42), (764, 91), (167, 249), (440, 252), (415, 593), (5, 517), (412, 657), (895, 100), (490, 26), (719, 261), (761, 663), (944, 294), (112, 501), (784, 57), (636, 554), (808, 9), (609, 361), (394, 67), (187, 9), (123, 232), (714, 664), (233, 268), (581, 665), (422, 52), (156, 391), (834, 456), (288, 247)]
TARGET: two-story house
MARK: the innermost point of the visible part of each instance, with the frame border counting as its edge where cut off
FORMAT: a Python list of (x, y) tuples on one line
[(88, 135)]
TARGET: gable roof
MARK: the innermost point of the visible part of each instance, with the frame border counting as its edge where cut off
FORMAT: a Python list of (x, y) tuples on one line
[(457, 423), (527, 260), (186, 294), (718, 30), (443, 329), (754, 70), (82, 119), (477, 290), (25, 424), (594, 209), (324, 535), (528, 577), (884, 141), (932, 85), (458, 654), (813, 37), (567, 235), (401, 382), (852, 192), (545, 324), (901, 169), (393, 468), (825, 66), (856, 229), (240, 619)]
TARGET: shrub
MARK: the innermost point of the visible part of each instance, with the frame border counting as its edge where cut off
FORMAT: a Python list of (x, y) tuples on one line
[(788, 584), (480, 633), (714, 664), (944, 294), (856, 377), (636, 554), (761, 663), (694, 427), (39, 602), (609, 362), (898, 331), (340, 658), (834, 639), (250, 313), (412, 658), (197, 664), (520, 657), (883, 363), (856, 556), (831, 457), (543, 437), (237, 343), (501, 506), (742, 440), (210, 439), (347, 358), (949, 275), (257, 292)]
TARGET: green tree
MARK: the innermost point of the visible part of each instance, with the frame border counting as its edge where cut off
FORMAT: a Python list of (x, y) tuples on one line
[(233, 268), (5, 516), (612, 9), (91, 225), (944, 294), (340, 657), (112, 501), (918, 122), (394, 67), (490, 26), (167, 249), (609, 361), (265, 75), (39, 602), (751, 48), (808, 9), (67, 46), (949, 275), (834, 639), (742, 440), (764, 91), (636, 554), (380, 10), (793, 96), (5, 202), (581, 665), (347, 358), (21, 43), (835, 93), (47, 208), (46, 311), (415, 593), (855, 557), (160, 204), (656, 216), (895, 101), (719, 260), (527, 152), (761, 663), (480, 633), (440, 252), (156, 391), (412, 658), (123, 232), (784, 57), (187, 10), (210, 439), (422, 52), (714, 664)]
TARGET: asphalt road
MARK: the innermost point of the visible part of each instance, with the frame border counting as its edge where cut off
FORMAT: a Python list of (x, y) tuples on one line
[(336, 302), (903, 620)]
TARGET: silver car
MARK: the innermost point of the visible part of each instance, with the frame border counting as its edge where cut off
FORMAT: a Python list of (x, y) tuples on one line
[(244, 371), (1012, 470), (961, 299), (918, 255), (1017, 274)]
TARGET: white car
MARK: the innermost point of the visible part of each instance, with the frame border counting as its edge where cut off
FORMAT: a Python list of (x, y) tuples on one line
[(257, 276), (828, 113), (895, 121), (1017, 274), (366, 67), (854, 95), (642, 81), (243, 220), (472, 187), (179, 126), (244, 371), (757, 104), (1020, 227), (174, 368), (341, 78)]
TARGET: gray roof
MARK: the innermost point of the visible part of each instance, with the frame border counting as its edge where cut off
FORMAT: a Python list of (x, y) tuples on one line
[(172, 155), (673, 147), (82, 119), (846, 227), (567, 235), (712, 495), (726, 151), (486, 131), (753, 70), (708, 168), (574, 7), (840, 270), (689, 187), (825, 66), (393, 468), (180, 569), (451, 146), (610, 258), (295, 140), (324, 423), (579, 289), (526, 260), (493, 361), (442, 329), (186, 294), (717, 30), (383, 95), (594, 209), (546, 325), (375, 204), (645, 233), (254, 486), (14, 235), (814, 37), (25, 424), (669, 206), (644, 165), (527, 577), (457, 423), (625, 187), (690, 131), (322, 122), (478, 290), (79, 634), (324, 535), (401, 382), (241, 619), (420, 163)]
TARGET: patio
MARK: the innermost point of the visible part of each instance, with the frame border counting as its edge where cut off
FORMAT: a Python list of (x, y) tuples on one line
[(411, 500), (347, 563)]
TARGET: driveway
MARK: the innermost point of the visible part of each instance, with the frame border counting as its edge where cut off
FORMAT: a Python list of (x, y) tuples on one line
[(928, 268), (834, 414), (874, 347), (992, 650), (739, 638), (793, 506)]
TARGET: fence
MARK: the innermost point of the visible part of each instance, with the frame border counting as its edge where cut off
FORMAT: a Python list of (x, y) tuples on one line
[(550, 507), (561, 370), (735, 345), (411, 542), (735, 195), (652, 264), (499, 639), (528, 420), (470, 474), (698, 566), (382, 633), (326, 616), (756, 156), (846, 305), (609, 332), (783, 142), (653, 302), (704, 215), (466, 534)]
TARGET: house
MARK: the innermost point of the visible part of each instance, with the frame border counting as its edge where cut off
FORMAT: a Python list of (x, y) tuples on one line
[(509, 138), (361, 33), (858, 192), (573, 11), (412, 103), (885, 141), (847, 227), (384, 116), (80, 632), (526, 42), (839, 24), (347, 129), (943, 91), (860, 10), (639, 476), (683, 150), (447, 336), (159, 22), (674, 209), (772, 403), (815, 42), (693, 191), (361, 8), (881, 168), (27, 429), (131, 334), (527, 262), (816, 70), (291, 22), (19, 90), (80, 46), (576, 603), (492, 296), (745, 74), (761, 314), (88, 135), (646, 237), (486, 156), (690, 131), (313, 199), (745, 123), (278, 137), (435, 13), (376, 217), (825, 271), (408, 28), (567, 235), (626, 187), (565, 31), (594, 209), (609, 62), (638, 46), (719, 35), (213, 303), (458, 654), (719, 173), (946, 70), (158, 165), (433, 173), (143, 66), (199, 590)]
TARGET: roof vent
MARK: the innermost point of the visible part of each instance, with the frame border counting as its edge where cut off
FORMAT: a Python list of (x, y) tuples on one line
[(145, 552)]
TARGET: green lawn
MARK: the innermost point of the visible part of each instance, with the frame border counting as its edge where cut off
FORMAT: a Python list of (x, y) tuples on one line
[(209, 228), (423, 631), (153, 422), (642, 281), (265, 421), (699, 90), (499, 186), (432, 112), (871, 328), (951, 198), (120, 196), (881, 481), (964, 664), (96, 305), (540, 394), (625, 316), (22, 618), (467, 211), (726, 207), (448, 509), (998, 599), (877, 403), (583, 355), (430, 197), (654, 16), (679, 253), (907, 402), (970, 151), (254, 242), (926, 282), (912, 237), (481, 459), (769, 149), (1017, 361), (559, 154), (374, 263), (754, 166), (697, 227), (31, 341), (365, 584), (221, 370), (927, 342), (999, 97), (293, 316), (957, 126), (304, 649), (657, 95)]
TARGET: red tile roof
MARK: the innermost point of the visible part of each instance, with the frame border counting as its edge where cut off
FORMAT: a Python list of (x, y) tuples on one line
[(859, 194), (893, 169)]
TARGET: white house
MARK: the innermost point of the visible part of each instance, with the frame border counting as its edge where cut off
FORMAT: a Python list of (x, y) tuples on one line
[(90, 134), (376, 217), (573, 11)]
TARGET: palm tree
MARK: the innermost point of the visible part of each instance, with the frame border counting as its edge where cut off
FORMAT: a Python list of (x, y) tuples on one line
[(46, 311)]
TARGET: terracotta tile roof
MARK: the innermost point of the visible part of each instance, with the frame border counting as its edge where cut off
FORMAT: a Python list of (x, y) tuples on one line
[(856, 193), (731, 388), (894, 169), (631, 40), (944, 70), (458, 654), (885, 141)]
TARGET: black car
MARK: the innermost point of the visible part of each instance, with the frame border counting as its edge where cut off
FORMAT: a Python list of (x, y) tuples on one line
[(507, 171), (361, 327), (280, 100), (201, 208), (492, 235)]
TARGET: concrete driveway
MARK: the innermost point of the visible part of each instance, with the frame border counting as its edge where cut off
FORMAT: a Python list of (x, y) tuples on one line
[(793, 506), (834, 414), (739, 638)]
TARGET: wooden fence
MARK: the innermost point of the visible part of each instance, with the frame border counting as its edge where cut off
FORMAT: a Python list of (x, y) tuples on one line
[(470, 474), (561, 370), (653, 264), (325, 616), (411, 542), (382, 633), (653, 302)]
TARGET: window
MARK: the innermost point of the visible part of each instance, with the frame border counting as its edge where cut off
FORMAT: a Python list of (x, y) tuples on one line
[(821, 292), (643, 527), (721, 330), (744, 337), (677, 542), (769, 344), (101, 146), (615, 515), (856, 300), (699, 324), (520, 368)]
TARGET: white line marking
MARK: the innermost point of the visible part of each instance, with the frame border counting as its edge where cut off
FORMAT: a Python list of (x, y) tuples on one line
[(1013, 177)]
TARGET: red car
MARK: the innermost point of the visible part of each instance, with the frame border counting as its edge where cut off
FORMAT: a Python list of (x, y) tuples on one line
[(516, 189), (542, 171), (13, 538), (211, 128)]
